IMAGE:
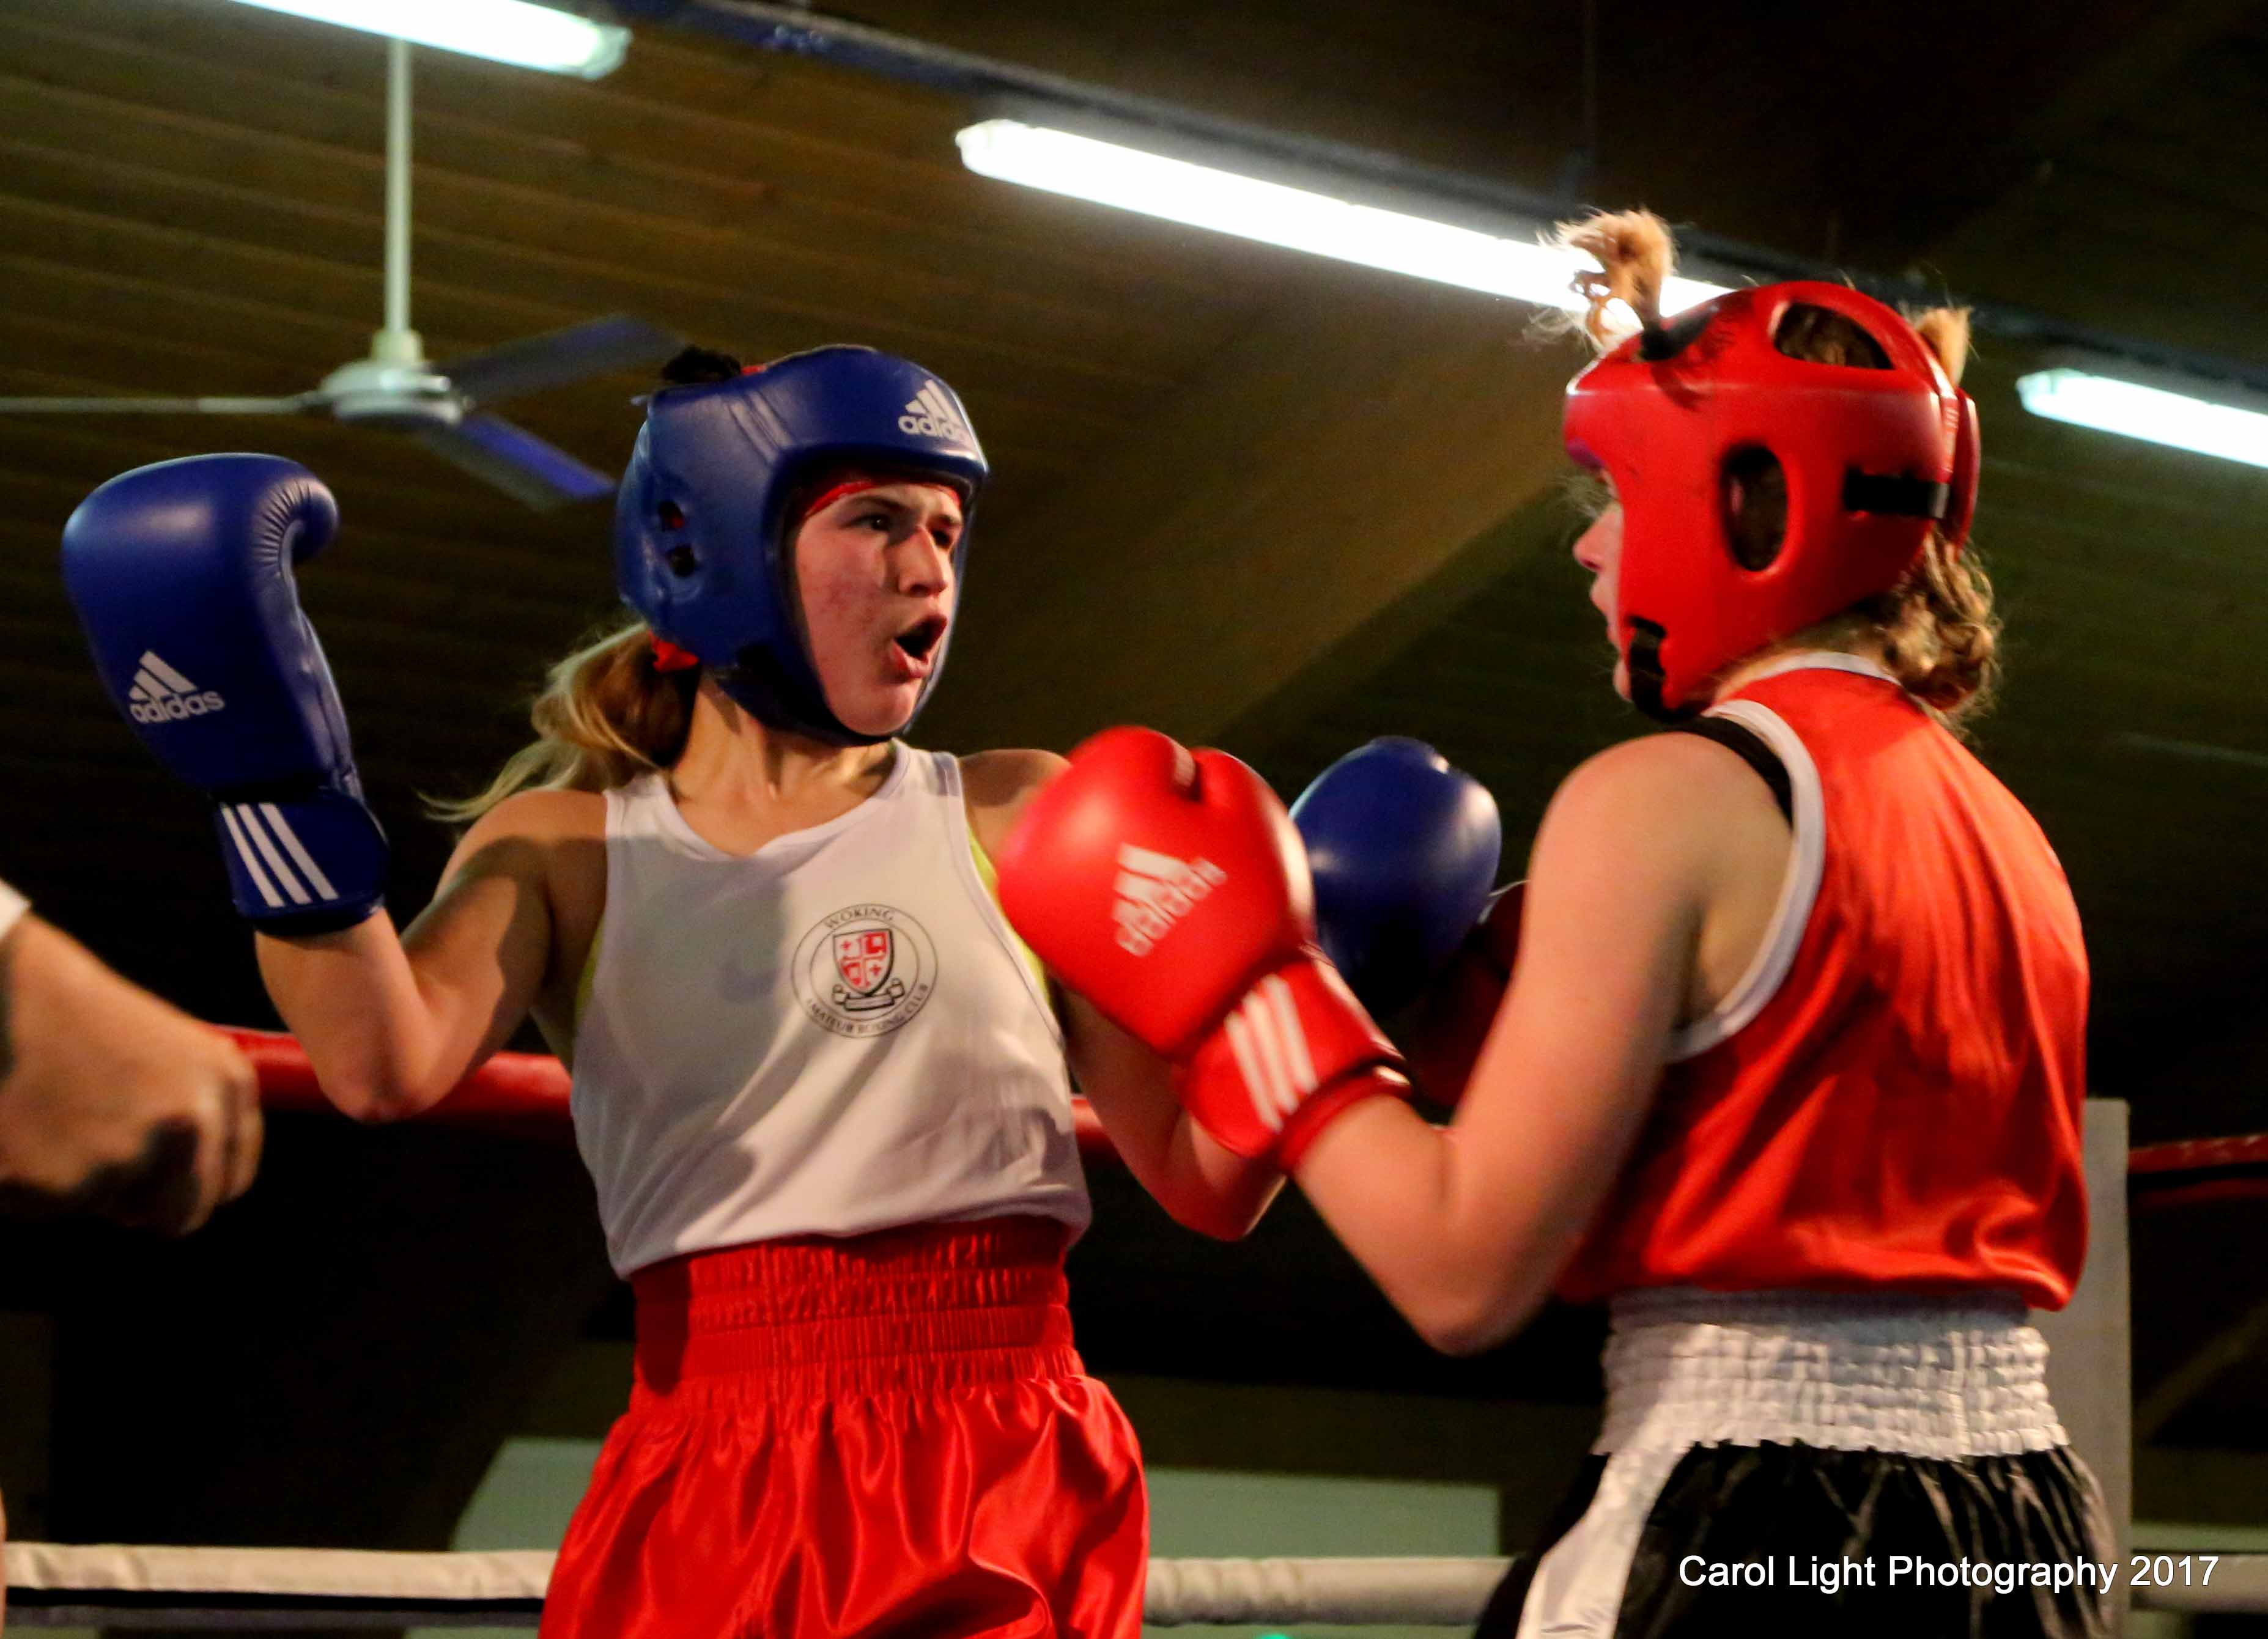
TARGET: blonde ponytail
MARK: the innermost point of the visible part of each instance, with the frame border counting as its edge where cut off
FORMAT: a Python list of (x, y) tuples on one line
[(1635, 254), (606, 715)]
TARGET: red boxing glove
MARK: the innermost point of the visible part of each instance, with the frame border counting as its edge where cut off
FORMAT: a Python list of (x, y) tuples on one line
[(1171, 892), (1452, 1019)]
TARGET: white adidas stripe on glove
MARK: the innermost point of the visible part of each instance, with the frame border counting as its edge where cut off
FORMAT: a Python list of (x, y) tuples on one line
[(1294, 1051)]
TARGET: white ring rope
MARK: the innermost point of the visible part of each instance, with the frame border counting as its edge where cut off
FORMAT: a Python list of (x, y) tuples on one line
[(320, 1573), (113, 1586), (53, 1585), (1276, 1592)]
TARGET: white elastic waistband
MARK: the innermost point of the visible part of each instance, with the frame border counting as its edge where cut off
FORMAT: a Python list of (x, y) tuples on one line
[(1931, 1377)]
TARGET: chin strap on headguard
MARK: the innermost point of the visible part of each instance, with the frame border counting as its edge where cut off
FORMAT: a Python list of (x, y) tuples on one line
[(1683, 417)]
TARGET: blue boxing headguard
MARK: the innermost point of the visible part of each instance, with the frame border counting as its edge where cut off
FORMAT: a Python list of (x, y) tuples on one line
[(702, 524)]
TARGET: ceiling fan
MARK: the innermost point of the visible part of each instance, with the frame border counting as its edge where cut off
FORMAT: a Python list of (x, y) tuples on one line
[(443, 405)]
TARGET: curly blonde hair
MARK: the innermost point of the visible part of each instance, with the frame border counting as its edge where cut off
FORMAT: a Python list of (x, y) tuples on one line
[(1936, 628)]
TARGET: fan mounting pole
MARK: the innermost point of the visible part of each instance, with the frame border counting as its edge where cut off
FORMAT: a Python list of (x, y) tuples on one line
[(397, 343)]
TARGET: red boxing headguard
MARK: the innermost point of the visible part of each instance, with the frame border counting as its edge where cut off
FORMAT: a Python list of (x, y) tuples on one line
[(1682, 415)]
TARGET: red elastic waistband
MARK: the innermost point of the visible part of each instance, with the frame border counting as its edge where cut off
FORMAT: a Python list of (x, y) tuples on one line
[(927, 1307)]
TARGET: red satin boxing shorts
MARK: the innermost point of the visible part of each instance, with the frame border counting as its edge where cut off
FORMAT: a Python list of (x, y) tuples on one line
[(885, 1436)]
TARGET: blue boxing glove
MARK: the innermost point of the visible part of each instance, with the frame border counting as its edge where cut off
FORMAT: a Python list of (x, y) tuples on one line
[(181, 575), (1404, 851)]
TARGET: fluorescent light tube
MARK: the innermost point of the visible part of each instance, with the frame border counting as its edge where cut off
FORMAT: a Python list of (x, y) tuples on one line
[(504, 31), (2157, 414), (1109, 174)]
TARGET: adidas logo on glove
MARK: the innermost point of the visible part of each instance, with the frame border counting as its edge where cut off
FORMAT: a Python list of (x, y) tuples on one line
[(161, 694), (1155, 890), (931, 415)]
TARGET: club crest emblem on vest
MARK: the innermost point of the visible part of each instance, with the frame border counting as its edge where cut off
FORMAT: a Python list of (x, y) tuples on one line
[(865, 970), (863, 958)]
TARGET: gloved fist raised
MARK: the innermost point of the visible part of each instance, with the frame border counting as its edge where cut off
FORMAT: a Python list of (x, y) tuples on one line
[(181, 575), (1404, 850), (1171, 890)]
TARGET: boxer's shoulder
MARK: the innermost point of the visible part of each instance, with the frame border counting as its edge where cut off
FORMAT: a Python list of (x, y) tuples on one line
[(543, 817), (1662, 786), (552, 840), (999, 779), (997, 784), (1673, 818)]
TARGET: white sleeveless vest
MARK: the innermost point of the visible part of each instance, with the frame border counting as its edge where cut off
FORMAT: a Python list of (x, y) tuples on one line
[(835, 1034)]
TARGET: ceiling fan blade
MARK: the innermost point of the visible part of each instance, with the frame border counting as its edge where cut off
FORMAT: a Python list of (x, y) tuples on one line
[(516, 461), (559, 356), (296, 405)]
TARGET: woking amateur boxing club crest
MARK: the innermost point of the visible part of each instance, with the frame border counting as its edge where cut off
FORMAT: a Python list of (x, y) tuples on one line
[(865, 970), (864, 959)]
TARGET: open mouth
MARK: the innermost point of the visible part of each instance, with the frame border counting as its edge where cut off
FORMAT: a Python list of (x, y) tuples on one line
[(918, 642)]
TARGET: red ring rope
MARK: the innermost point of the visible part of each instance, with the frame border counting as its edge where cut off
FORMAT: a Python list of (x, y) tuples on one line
[(2196, 1171), (525, 1094)]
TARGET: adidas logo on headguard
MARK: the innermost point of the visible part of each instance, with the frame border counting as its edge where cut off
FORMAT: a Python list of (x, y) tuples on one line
[(161, 694), (931, 414), (1155, 890)]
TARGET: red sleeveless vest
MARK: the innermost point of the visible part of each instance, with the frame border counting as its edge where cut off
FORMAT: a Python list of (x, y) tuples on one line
[(1901, 1109)]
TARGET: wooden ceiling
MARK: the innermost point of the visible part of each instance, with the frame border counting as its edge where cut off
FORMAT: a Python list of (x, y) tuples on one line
[(1248, 497)]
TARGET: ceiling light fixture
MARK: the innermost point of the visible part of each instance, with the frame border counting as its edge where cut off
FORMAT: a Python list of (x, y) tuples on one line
[(517, 32), (1296, 219), (2159, 413)]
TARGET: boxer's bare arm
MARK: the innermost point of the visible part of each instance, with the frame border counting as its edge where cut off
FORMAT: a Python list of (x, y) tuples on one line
[(112, 1102), (390, 1021), (1465, 1228), (1205, 1187)]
